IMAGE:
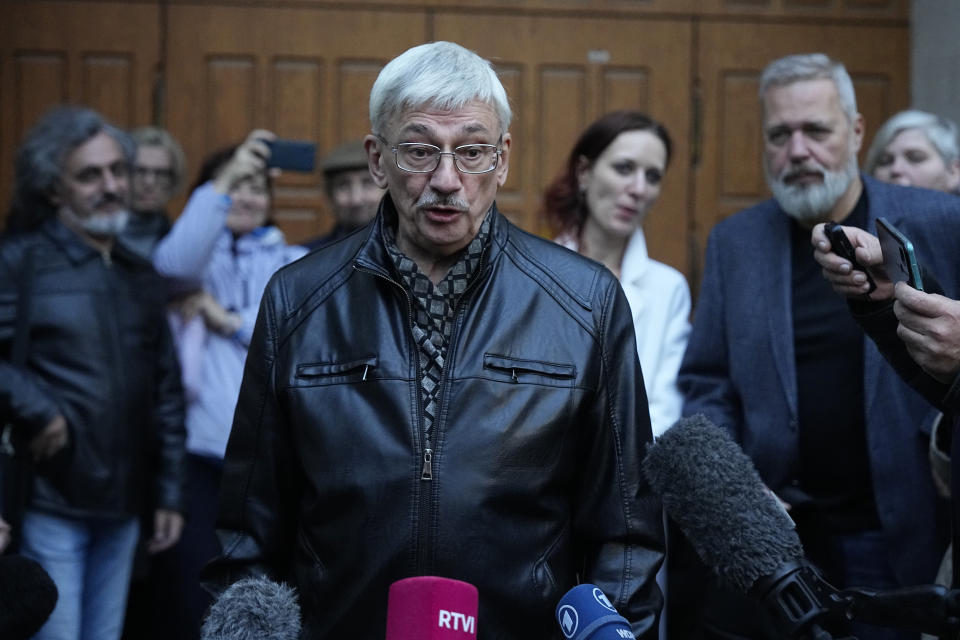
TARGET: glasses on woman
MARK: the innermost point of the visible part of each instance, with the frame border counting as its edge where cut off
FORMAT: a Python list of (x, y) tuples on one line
[(419, 157)]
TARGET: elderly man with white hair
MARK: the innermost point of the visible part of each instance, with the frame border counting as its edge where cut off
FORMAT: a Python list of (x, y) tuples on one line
[(442, 394)]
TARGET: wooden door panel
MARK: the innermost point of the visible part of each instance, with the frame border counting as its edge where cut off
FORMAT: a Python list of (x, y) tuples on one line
[(304, 73), (562, 73), (59, 52), (809, 9), (729, 176)]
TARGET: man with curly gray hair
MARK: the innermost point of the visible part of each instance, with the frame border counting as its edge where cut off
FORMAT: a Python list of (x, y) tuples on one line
[(89, 382)]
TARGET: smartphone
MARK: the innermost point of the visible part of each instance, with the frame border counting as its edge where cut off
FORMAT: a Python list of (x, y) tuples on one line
[(292, 155), (840, 244), (899, 258)]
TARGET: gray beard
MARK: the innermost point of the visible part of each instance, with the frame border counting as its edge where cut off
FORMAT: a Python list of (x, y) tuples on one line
[(811, 203), (100, 224)]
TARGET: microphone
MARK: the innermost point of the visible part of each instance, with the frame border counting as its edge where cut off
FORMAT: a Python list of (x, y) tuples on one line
[(27, 597), (585, 613), (253, 609), (711, 489), (431, 608)]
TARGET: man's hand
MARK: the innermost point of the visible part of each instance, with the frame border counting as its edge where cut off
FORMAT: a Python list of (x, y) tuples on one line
[(840, 273), (249, 159), (167, 527), (930, 328), (6, 534), (54, 437)]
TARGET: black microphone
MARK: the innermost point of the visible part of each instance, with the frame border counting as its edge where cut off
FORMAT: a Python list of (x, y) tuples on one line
[(27, 597), (711, 489), (253, 609)]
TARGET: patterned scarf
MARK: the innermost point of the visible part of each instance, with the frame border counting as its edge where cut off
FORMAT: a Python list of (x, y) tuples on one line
[(434, 308)]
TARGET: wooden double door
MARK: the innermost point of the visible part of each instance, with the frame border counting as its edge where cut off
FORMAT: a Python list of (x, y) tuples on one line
[(211, 72)]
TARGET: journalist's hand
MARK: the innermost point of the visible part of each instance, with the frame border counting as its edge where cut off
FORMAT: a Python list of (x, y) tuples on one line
[(930, 328), (840, 273)]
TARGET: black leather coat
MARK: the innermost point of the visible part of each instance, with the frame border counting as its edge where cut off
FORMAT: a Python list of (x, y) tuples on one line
[(535, 472), (101, 354)]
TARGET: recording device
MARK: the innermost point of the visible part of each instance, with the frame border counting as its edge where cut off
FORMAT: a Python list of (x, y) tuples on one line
[(585, 613), (899, 258), (27, 597), (253, 609), (712, 491), (840, 244), (432, 608), (291, 155)]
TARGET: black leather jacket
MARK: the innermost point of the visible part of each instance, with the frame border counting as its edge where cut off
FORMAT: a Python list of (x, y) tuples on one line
[(535, 473), (100, 353)]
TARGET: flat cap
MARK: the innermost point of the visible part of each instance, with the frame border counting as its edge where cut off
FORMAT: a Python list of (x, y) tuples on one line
[(349, 155)]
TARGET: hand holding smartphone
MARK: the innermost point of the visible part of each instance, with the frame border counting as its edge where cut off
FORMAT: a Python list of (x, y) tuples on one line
[(840, 245), (899, 257), (292, 155)]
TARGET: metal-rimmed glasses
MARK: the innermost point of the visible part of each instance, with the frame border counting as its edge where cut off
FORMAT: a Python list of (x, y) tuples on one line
[(419, 157)]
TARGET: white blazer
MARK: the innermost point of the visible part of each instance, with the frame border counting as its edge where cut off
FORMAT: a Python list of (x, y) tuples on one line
[(659, 300)]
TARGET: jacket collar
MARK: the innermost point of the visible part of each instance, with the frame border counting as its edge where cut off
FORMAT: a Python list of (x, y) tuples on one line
[(636, 261), (78, 251)]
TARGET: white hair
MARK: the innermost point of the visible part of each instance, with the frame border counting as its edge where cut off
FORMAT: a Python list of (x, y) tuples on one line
[(442, 75), (811, 66), (941, 132)]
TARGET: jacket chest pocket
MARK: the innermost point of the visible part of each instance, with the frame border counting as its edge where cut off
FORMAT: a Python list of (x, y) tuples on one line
[(526, 371), (326, 373)]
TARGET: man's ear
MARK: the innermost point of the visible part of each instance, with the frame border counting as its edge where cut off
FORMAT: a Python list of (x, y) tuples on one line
[(859, 127), (504, 167), (375, 159)]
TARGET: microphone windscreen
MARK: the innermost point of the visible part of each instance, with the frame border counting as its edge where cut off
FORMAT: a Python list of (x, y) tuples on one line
[(585, 613), (432, 608), (253, 609), (27, 597), (712, 491)]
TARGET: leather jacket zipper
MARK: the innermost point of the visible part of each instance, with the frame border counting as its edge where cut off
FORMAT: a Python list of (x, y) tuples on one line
[(422, 528), (426, 474)]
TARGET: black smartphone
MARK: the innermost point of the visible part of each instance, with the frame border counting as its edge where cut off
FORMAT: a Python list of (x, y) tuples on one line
[(899, 257), (292, 155), (840, 244)]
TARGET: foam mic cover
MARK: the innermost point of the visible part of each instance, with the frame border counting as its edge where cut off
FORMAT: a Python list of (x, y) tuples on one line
[(432, 608), (712, 491), (253, 609), (584, 613)]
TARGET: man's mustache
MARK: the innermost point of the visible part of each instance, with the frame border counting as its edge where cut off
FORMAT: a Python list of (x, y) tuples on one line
[(108, 197), (796, 171), (431, 199)]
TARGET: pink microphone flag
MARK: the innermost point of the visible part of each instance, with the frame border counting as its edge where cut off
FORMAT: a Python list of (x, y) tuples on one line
[(431, 608)]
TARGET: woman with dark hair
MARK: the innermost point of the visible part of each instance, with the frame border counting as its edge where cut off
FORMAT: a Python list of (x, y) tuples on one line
[(220, 253), (597, 207)]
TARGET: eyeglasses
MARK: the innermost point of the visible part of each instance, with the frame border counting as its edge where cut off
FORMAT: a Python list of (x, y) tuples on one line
[(160, 176), (418, 157)]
